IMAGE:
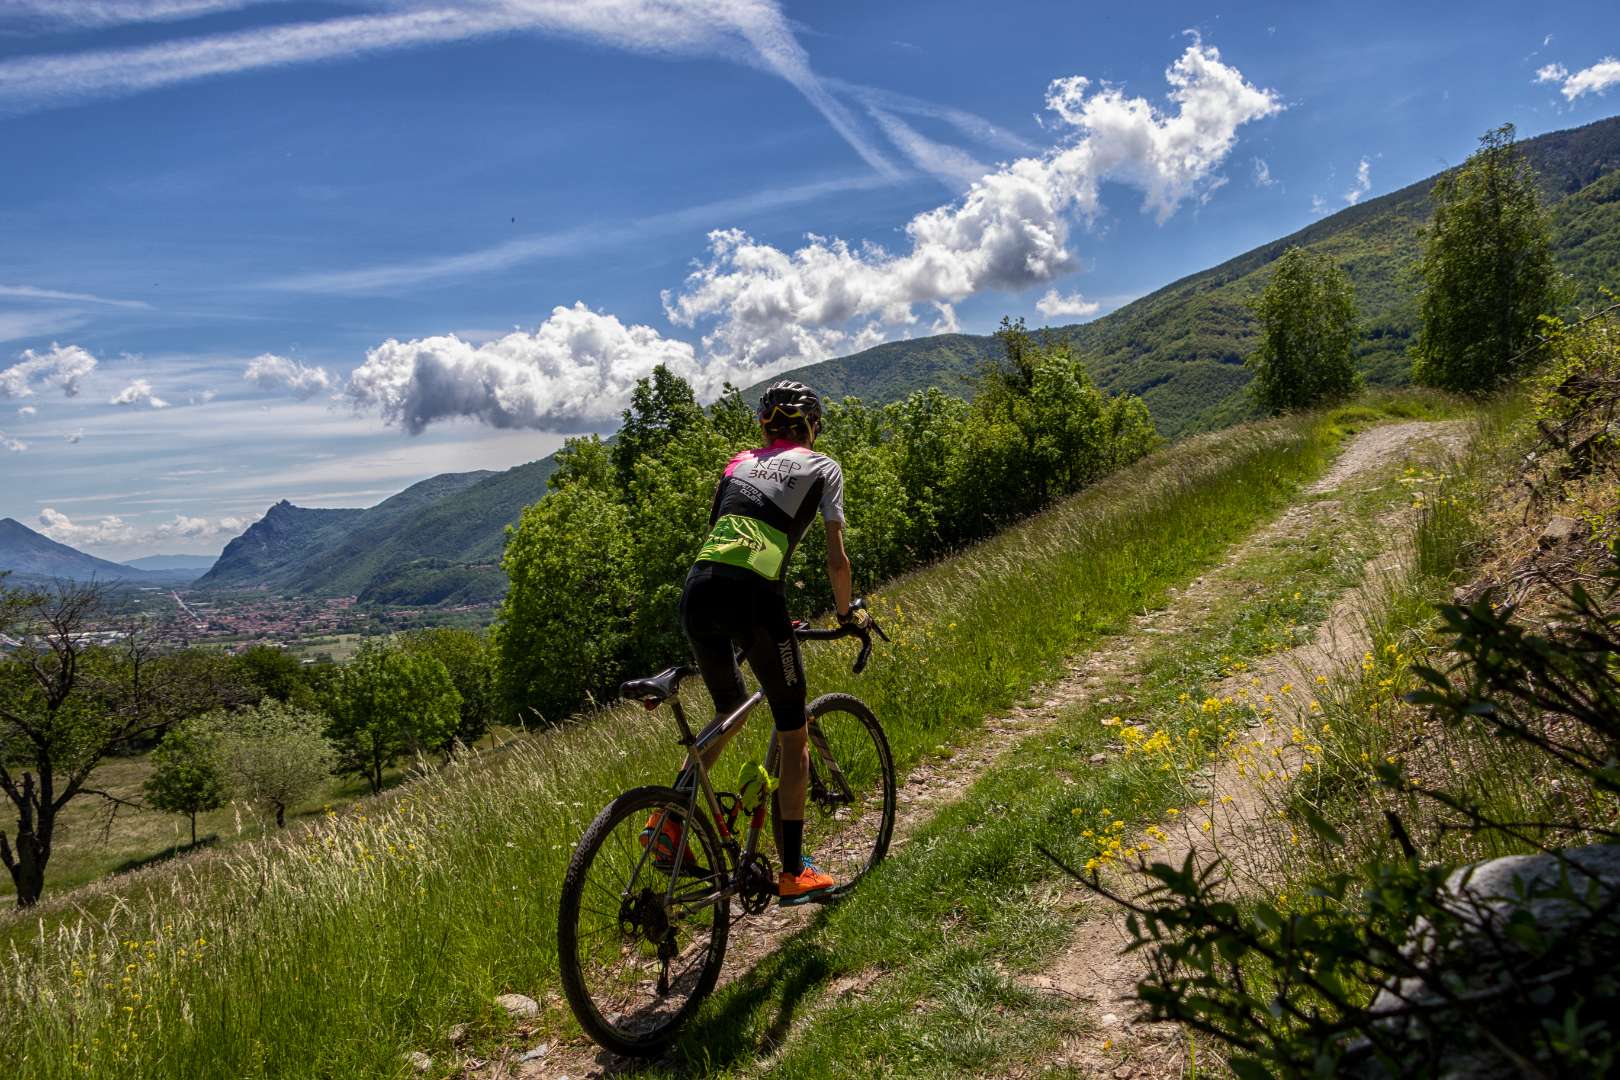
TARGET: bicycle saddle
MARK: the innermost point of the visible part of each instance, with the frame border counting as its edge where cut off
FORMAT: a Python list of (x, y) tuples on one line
[(656, 688)]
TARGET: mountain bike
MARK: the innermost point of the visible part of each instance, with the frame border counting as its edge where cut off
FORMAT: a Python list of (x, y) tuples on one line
[(643, 924)]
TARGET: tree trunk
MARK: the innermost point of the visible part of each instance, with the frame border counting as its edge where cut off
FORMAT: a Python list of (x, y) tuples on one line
[(194, 828), (281, 816), (27, 867)]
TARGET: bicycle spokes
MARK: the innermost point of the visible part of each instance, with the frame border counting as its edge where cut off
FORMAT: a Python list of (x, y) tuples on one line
[(648, 919), (849, 811)]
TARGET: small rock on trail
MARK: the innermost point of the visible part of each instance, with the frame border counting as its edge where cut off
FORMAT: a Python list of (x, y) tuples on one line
[(519, 1005)]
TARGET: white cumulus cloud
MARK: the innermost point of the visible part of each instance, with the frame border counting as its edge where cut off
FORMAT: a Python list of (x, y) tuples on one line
[(113, 529), (760, 305), (63, 366), (138, 392), (1363, 183), (271, 372), (76, 436), (16, 446), (576, 369), (1596, 79), (1053, 304), (27, 410), (759, 308)]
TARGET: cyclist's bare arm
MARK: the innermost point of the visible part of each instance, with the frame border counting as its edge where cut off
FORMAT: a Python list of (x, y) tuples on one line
[(838, 567)]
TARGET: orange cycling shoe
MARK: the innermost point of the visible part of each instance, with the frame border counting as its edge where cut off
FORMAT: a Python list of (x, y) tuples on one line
[(669, 836), (808, 886)]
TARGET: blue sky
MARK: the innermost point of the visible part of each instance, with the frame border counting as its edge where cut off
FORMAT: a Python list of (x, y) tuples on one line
[(319, 251)]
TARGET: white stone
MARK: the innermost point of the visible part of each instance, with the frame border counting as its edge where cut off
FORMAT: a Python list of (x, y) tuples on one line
[(519, 1005)]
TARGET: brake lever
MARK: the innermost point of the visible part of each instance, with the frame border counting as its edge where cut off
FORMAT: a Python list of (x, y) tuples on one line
[(864, 655)]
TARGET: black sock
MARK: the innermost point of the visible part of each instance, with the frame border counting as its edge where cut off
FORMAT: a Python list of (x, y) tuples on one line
[(792, 847)]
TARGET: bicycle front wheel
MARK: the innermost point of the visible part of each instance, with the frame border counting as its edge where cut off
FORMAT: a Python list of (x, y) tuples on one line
[(850, 809), (643, 919)]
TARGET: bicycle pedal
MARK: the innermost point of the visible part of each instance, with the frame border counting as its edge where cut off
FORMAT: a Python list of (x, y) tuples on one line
[(825, 897)]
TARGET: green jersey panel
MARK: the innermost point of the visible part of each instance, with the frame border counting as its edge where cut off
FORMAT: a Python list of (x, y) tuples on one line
[(747, 542)]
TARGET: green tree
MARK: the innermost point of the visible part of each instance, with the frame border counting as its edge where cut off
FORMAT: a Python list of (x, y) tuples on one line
[(735, 420), (275, 755), (273, 671), (391, 702), (1487, 271), (669, 500), (188, 776), (585, 460), (563, 627), (661, 408), (1307, 315), (466, 658), (66, 705)]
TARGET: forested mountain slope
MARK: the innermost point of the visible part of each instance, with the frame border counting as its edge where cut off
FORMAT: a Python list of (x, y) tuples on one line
[(291, 543), (1181, 348)]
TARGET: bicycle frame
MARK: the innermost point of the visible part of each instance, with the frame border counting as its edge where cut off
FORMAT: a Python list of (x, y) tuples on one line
[(720, 731)]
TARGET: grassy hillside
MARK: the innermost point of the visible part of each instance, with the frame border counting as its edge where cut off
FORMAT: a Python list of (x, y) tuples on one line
[(1181, 348), (333, 954)]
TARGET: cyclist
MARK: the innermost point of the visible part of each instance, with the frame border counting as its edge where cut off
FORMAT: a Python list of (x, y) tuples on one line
[(735, 596)]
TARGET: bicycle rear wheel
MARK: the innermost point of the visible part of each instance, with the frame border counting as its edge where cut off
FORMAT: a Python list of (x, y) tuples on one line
[(850, 809), (635, 964)]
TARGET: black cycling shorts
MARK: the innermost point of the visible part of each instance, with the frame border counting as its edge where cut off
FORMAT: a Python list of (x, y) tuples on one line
[(721, 609)]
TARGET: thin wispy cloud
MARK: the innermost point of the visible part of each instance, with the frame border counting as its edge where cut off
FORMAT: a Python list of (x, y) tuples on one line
[(1262, 174), (88, 14), (752, 32), (1363, 183), (969, 124), (957, 168), (22, 325), (564, 242), (36, 82), (29, 292)]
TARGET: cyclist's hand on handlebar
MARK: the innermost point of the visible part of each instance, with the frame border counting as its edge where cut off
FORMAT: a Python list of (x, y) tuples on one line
[(857, 617)]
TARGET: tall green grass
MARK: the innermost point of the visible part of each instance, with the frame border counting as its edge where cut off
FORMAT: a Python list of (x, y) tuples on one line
[(332, 952)]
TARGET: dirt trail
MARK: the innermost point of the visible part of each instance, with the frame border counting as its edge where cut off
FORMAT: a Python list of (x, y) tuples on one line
[(1093, 969), (1090, 969)]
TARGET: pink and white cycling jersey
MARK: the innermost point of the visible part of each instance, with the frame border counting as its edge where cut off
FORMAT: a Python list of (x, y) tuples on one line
[(764, 504)]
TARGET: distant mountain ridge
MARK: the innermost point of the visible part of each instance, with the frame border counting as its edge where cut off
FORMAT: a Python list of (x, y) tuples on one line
[(298, 549), (199, 563), (1180, 348), (30, 554)]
